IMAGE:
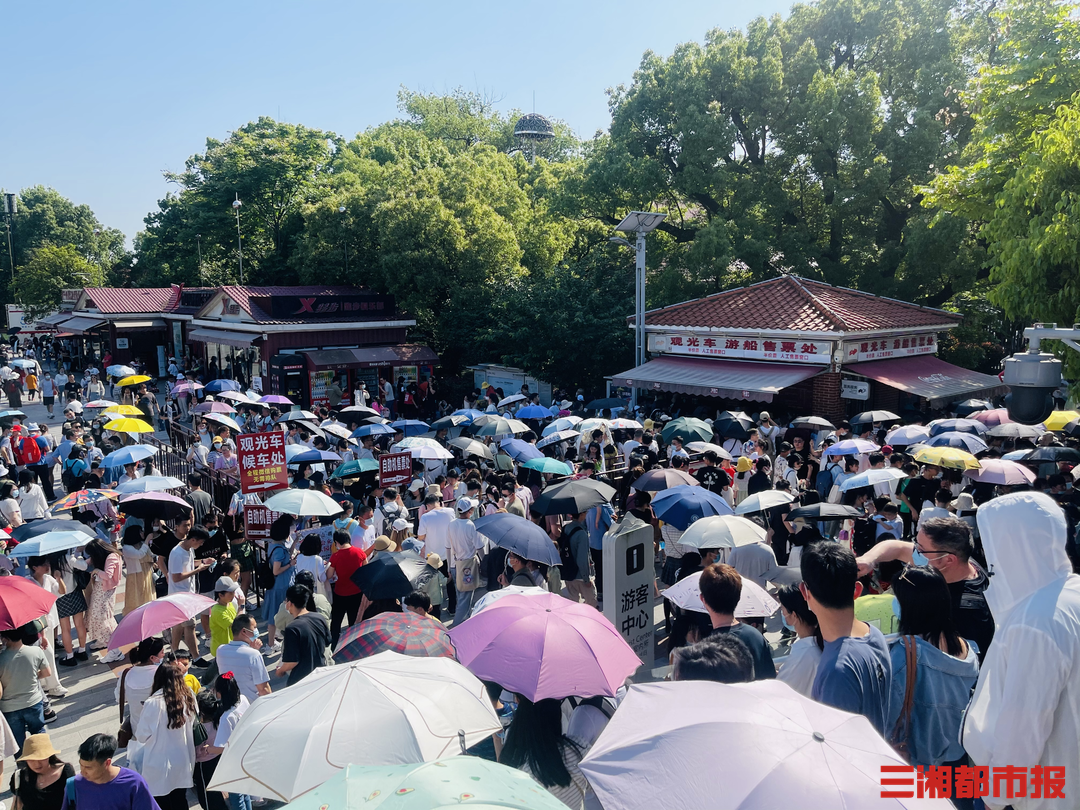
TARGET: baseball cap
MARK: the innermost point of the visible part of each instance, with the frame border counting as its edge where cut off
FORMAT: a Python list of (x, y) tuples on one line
[(400, 525), (466, 505), (32, 426), (416, 485), (226, 585)]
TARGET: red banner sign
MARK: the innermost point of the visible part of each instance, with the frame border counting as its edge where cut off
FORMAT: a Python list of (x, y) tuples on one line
[(395, 469), (257, 520), (261, 460)]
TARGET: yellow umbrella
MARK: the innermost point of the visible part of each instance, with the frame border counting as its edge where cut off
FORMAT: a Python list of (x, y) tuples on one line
[(129, 426), (1059, 419), (950, 457), (123, 410), (134, 379)]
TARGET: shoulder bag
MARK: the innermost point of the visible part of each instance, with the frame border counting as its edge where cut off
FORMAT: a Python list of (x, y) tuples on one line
[(901, 733), (124, 735)]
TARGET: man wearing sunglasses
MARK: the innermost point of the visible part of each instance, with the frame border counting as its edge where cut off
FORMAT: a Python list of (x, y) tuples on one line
[(945, 544)]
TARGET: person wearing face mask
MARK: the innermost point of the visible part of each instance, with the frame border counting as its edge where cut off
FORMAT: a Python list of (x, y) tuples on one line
[(945, 544), (800, 667), (137, 682)]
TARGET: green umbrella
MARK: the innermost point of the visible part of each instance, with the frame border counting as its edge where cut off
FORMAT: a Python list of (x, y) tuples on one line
[(688, 429), (455, 782), (353, 467), (549, 465)]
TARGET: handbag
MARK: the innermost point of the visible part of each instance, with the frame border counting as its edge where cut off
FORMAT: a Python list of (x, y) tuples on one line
[(198, 733), (902, 731), (125, 734), (467, 574)]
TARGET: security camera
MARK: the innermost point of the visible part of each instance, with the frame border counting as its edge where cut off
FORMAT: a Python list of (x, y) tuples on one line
[(1032, 378)]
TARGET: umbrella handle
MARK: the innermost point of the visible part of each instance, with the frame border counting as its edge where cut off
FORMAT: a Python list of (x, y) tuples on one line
[(461, 739)]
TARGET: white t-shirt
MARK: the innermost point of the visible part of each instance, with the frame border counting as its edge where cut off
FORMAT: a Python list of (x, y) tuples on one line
[(434, 526), (229, 720), (182, 560), (246, 665), (628, 449), (800, 668)]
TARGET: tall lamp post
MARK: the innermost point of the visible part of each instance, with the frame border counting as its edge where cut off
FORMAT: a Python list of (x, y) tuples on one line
[(11, 208), (640, 223), (239, 243), (344, 238)]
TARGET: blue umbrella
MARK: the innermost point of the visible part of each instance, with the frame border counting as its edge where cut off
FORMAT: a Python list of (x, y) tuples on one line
[(549, 465), (128, 455), (372, 430), (314, 457), (354, 467), (411, 427), (533, 412), (472, 413), (963, 441), (681, 506), (520, 450), (972, 426), (49, 542), (521, 536), (217, 386)]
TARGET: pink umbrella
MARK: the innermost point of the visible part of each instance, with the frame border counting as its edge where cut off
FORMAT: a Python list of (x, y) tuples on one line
[(1001, 471), (545, 647), (275, 399), (213, 407), (186, 385), (998, 416), (154, 617)]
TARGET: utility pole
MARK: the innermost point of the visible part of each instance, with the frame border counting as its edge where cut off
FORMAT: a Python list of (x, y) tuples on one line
[(10, 209)]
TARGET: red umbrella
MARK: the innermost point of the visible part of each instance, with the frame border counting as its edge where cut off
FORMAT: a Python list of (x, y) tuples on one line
[(22, 601), (406, 633)]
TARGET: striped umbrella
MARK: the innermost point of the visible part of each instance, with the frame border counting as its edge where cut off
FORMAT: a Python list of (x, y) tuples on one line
[(406, 633)]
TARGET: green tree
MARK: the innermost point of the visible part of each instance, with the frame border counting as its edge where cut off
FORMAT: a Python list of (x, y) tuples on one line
[(39, 283)]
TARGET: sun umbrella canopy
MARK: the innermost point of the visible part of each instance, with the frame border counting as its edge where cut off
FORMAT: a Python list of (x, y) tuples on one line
[(660, 478), (429, 449), (471, 447), (533, 412), (411, 427), (550, 466), (391, 575), (354, 467), (766, 745), (129, 426), (887, 475), (907, 434), (303, 502), (520, 450), (503, 427), (133, 379), (558, 436), (869, 417), (491, 597), (1072, 428), (213, 407), (21, 601), (50, 542), (851, 447), (297, 415), (545, 646), (150, 483), (314, 457), (1053, 453), (562, 423), (442, 785), (1001, 471), (222, 419), (521, 536), (11, 416), (372, 430), (722, 531), (705, 447), (622, 423), (292, 741), (573, 497), (236, 396), (217, 386), (970, 406), (949, 457), (276, 399), (760, 501), (22, 363), (83, 497), (972, 426), (753, 601), (964, 441), (156, 616), (510, 400), (124, 410), (1058, 419), (814, 423), (154, 505), (823, 511), (1015, 430), (682, 506), (36, 528), (688, 429), (405, 633), (451, 421), (608, 403), (103, 403)]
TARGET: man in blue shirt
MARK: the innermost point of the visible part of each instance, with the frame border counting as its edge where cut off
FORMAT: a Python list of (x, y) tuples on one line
[(597, 522), (855, 673)]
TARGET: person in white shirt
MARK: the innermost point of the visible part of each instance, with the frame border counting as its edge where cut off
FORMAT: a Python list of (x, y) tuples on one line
[(780, 463), (768, 430), (183, 578), (632, 444), (31, 497), (940, 508), (800, 668), (364, 514), (433, 527), (466, 544), (241, 657), (676, 448)]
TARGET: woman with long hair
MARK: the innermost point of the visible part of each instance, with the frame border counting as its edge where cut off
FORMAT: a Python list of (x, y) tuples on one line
[(946, 668), (9, 506), (207, 755), (71, 606), (231, 707), (165, 755), (800, 668), (138, 679), (31, 497), (40, 777), (101, 612), (280, 560), (536, 744), (139, 562)]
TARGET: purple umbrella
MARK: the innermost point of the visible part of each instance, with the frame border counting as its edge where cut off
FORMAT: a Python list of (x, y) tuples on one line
[(213, 407), (545, 647), (1001, 471), (275, 399)]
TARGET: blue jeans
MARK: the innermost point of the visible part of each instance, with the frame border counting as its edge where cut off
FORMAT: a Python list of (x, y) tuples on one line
[(239, 801), (26, 721)]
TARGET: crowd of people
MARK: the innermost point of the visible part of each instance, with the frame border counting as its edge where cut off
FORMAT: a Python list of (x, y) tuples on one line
[(905, 595)]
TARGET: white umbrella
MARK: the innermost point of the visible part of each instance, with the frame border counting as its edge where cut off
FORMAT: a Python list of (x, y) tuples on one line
[(417, 441), (222, 419), (388, 709), (871, 477), (754, 600), (907, 434), (722, 531), (471, 447), (622, 423), (760, 501), (434, 450), (339, 431), (851, 447), (102, 403), (705, 447), (235, 396), (510, 400), (562, 423), (150, 483), (746, 746), (303, 502), (491, 597), (558, 436)]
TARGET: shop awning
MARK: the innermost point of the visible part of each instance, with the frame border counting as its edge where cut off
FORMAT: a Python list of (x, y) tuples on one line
[(729, 379), (122, 326), (412, 354), (336, 359), (56, 318), (374, 356), (928, 377), (240, 340), (81, 326)]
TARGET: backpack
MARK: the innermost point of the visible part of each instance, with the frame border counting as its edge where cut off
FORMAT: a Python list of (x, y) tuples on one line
[(264, 573), (68, 478), (27, 451), (568, 565), (824, 480)]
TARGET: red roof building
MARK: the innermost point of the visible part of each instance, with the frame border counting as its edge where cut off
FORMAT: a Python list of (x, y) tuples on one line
[(818, 348)]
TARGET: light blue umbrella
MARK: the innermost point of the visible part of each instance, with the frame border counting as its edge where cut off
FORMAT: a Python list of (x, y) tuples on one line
[(372, 430), (128, 455), (120, 371), (549, 465), (558, 436), (354, 467), (217, 386), (49, 542), (294, 450), (411, 427), (964, 441), (520, 450), (533, 412), (472, 413)]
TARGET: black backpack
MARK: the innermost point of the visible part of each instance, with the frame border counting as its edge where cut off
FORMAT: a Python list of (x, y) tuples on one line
[(568, 566)]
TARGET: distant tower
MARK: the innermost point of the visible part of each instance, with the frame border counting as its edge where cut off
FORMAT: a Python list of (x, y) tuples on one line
[(531, 130)]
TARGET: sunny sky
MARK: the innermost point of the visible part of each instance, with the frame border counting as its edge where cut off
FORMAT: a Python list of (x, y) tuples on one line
[(100, 98)]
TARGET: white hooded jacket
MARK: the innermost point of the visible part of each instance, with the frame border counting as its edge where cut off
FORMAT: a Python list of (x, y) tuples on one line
[(1026, 707)]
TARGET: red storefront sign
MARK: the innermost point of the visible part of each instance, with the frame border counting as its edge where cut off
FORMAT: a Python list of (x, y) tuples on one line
[(257, 520), (395, 469), (261, 460)]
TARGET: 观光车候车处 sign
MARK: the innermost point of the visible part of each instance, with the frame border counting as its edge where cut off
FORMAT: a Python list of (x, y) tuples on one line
[(261, 461)]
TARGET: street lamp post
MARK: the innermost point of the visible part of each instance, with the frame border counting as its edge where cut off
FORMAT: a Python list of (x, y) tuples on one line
[(640, 223), (344, 238), (239, 243), (11, 208)]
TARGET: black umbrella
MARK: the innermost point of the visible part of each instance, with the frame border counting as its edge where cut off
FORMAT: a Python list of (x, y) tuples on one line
[(37, 527), (824, 511), (1071, 429), (391, 575), (970, 406), (868, 417), (1053, 453), (610, 402), (733, 425), (521, 536), (1014, 430), (814, 423), (573, 497)]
